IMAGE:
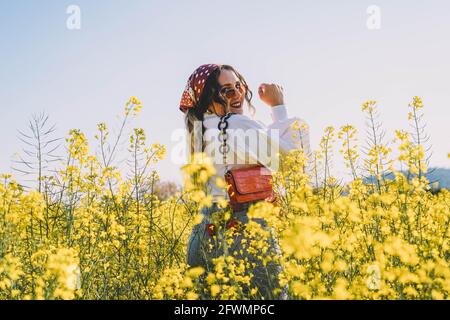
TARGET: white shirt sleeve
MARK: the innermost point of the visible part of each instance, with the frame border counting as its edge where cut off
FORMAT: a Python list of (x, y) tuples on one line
[(293, 130), (252, 142)]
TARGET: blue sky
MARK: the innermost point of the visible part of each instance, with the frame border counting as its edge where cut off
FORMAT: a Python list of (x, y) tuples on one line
[(322, 53)]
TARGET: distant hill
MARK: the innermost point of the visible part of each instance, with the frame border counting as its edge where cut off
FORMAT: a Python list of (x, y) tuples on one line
[(440, 175)]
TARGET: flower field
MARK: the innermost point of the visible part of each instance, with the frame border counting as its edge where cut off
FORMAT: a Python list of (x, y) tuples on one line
[(91, 231)]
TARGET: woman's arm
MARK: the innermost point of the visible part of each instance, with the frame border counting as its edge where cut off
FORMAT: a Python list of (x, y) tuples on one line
[(293, 130), (252, 142)]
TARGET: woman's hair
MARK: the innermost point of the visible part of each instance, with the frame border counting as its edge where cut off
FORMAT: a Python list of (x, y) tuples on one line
[(209, 95)]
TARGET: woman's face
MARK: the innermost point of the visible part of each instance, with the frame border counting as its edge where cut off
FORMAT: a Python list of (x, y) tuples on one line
[(233, 92)]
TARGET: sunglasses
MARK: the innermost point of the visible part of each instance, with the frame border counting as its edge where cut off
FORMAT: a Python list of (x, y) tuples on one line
[(231, 92)]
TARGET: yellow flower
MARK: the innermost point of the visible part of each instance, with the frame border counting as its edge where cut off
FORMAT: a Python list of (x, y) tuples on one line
[(215, 289), (195, 272)]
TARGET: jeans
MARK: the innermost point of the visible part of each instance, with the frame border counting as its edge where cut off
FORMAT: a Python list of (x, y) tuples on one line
[(202, 248)]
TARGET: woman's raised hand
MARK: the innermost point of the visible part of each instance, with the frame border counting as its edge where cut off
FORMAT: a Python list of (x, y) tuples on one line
[(271, 94)]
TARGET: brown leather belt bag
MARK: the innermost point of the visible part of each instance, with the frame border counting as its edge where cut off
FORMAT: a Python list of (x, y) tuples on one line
[(247, 184)]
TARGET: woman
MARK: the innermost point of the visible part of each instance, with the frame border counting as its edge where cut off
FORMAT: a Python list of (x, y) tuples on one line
[(213, 91)]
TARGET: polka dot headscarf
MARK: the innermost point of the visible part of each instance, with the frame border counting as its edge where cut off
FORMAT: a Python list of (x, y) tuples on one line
[(195, 85)]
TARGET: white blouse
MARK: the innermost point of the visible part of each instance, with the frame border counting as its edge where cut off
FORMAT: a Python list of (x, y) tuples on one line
[(251, 141)]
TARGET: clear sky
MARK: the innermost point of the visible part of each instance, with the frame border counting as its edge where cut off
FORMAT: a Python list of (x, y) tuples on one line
[(321, 52)]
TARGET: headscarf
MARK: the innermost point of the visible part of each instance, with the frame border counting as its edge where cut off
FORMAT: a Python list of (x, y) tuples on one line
[(195, 86)]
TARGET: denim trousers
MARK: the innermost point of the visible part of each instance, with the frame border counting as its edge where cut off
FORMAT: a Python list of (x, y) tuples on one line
[(202, 248)]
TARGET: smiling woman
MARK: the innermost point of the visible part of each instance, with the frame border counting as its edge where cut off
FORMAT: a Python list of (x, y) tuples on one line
[(214, 96), (212, 89)]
